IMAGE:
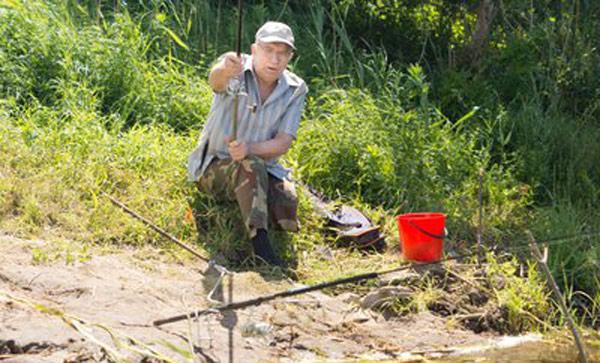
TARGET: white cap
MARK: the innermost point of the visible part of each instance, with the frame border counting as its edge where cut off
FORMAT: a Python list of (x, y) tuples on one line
[(273, 31)]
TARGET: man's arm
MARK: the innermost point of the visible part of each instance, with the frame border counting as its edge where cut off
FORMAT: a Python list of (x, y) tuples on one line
[(269, 149), (227, 67)]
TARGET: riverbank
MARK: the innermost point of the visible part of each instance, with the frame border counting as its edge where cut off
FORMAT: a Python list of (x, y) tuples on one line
[(99, 306), (113, 99)]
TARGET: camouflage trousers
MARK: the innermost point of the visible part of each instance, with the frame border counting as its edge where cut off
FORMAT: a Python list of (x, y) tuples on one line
[(260, 196)]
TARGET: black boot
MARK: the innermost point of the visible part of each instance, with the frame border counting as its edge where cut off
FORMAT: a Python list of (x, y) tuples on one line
[(262, 247)]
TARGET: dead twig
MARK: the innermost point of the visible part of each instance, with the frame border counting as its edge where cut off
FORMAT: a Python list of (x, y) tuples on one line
[(561, 300), (463, 279), (478, 316), (480, 224)]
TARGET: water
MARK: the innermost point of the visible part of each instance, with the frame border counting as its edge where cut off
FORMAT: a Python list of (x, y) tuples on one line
[(529, 348)]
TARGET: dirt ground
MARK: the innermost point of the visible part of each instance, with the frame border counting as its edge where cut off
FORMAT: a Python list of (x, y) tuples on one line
[(102, 308)]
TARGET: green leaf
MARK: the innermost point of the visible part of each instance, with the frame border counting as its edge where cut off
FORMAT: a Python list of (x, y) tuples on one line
[(465, 117), (176, 38), (177, 349), (13, 4)]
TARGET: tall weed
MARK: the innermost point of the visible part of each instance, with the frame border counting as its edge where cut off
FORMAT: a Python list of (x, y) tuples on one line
[(63, 165), (110, 59)]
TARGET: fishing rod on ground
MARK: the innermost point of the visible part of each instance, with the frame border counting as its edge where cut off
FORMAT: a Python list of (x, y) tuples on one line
[(366, 276), (212, 265)]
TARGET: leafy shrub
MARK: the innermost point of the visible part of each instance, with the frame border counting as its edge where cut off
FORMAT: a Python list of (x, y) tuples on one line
[(374, 151)]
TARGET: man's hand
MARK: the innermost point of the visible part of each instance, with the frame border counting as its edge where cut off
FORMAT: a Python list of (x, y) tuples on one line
[(226, 68), (269, 149), (238, 150), (232, 64)]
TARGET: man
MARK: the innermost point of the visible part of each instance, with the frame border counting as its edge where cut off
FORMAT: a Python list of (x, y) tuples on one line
[(244, 167)]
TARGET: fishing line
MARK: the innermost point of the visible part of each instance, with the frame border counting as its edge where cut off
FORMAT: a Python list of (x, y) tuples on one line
[(554, 241)]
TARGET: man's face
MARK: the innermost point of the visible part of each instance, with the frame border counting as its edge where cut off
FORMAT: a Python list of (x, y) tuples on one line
[(270, 60)]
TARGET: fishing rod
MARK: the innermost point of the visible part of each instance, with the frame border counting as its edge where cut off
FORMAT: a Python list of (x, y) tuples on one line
[(238, 50), (161, 231), (366, 276), (213, 269), (261, 299)]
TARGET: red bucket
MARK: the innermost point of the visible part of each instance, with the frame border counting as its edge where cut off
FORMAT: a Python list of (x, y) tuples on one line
[(422, 236)]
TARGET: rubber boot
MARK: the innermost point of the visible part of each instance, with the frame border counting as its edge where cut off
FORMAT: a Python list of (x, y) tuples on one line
[(262, 248)]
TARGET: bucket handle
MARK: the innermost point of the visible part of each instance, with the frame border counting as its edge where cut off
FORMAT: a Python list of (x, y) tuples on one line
[(432, 235)]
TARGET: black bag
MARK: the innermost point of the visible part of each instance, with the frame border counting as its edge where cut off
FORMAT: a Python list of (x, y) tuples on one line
[(353, 228)]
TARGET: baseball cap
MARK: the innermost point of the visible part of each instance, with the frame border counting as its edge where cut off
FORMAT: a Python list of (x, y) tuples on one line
[(273, 31)]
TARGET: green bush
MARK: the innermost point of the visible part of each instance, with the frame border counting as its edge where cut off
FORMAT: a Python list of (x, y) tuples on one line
[(374, 151)]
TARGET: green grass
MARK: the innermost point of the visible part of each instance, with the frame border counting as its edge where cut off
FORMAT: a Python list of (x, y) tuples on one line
[(525, 297), (575, 260)]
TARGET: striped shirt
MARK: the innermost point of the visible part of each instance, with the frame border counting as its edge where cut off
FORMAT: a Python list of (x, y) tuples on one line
[(258, 121)]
